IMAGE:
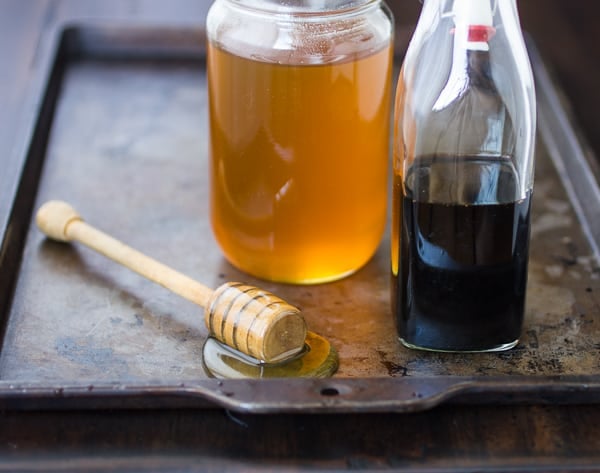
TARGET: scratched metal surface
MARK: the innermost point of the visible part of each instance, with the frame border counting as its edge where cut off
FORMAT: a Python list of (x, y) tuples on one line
[(128, 148)]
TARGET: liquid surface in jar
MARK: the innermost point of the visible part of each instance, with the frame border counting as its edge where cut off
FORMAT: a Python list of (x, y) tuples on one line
[(462, 269), (299, 158)]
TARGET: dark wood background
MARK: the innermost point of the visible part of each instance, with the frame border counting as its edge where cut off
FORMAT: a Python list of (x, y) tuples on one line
[(448, 438)]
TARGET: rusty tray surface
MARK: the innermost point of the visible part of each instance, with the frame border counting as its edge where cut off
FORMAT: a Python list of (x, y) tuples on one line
[(122, 135)]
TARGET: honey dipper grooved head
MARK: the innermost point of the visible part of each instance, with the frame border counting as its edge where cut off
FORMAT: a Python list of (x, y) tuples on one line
[(54, 217), (255, 322)]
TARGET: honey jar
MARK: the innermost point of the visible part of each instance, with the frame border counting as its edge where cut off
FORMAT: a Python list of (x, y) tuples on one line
[(299, 99)]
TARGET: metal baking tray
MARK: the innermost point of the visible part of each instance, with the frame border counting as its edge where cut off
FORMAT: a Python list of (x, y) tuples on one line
[(121, 133)]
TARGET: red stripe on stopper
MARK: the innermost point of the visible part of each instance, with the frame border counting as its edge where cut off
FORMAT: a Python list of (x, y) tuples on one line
[(480, 33)]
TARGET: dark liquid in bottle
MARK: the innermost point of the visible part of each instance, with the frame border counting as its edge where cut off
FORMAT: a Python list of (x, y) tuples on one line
[(462, 271)]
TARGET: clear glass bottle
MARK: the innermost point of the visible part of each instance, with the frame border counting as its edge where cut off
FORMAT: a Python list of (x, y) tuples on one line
[(300, 100), (465, 121)]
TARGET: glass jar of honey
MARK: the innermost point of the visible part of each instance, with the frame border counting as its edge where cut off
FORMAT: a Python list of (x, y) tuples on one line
[(299, 97)]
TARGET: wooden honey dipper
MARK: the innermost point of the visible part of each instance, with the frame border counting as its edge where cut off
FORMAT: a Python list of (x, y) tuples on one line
[(244, 317)]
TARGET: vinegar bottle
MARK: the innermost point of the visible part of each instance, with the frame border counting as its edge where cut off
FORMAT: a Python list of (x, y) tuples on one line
[(463, 178)]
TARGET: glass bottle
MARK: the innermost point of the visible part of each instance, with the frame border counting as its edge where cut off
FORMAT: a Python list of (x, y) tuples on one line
[(299, 100), (465, 121)]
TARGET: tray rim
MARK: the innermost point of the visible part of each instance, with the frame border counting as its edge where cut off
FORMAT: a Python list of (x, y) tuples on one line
[(311, 395), (333, 395)]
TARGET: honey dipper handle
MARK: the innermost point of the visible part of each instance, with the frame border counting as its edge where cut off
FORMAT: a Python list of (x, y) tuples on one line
[(59, 221)]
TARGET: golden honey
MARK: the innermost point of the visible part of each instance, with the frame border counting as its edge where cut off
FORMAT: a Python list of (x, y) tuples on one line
[(298, 163)]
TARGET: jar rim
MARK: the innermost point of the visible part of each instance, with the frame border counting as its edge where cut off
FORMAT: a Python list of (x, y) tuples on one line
[(304, 8)]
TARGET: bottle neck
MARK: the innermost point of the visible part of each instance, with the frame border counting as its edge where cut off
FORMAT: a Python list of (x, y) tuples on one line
[(447, 6), (478, 14), (471, 68), (479, 70)]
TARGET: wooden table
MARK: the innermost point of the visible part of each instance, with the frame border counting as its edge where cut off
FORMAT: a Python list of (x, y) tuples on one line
[(447, 438)]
